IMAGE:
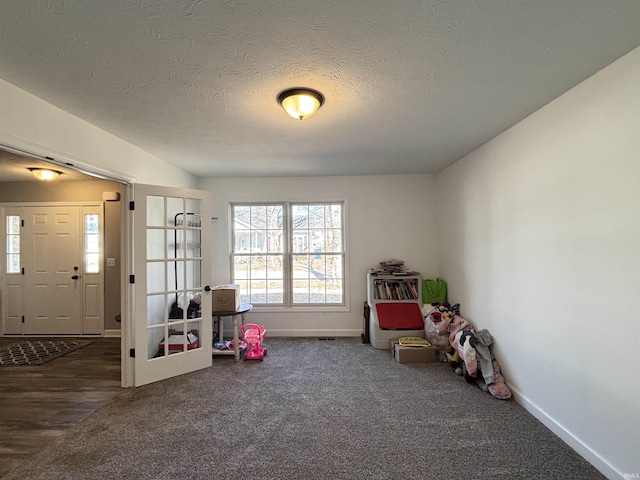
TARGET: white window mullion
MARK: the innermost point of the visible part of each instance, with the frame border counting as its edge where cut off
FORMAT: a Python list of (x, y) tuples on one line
[(287, 248)]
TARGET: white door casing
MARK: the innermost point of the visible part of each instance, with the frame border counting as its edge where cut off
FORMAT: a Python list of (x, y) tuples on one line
[(172, 266)]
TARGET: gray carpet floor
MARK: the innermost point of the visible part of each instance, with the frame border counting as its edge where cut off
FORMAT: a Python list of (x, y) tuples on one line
[(313, 409)]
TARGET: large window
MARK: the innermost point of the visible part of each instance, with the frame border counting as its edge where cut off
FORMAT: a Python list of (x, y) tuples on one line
[(289, 253)]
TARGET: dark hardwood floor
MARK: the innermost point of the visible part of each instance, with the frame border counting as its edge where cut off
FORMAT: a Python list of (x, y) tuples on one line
[(38, 403)]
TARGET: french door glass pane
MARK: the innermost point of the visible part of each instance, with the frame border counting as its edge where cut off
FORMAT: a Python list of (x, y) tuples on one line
[(175, 275), (155, 336), (193, 247), (192, 274), (156, 277), (156, 246), (155, 211), (155, 309), (175, 212), (194, 330)]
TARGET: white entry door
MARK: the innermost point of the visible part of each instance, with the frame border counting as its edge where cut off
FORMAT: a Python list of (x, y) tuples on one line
[(54, 284), (51, 270), (172, 274)]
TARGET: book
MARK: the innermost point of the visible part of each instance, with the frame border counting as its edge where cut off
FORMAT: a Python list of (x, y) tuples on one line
[(414, 342)]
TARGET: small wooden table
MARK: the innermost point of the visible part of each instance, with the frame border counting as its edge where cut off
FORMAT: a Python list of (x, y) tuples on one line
[(242, 309)]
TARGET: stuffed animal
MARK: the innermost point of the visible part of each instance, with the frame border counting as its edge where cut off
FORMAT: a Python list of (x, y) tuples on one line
[(473, 358)]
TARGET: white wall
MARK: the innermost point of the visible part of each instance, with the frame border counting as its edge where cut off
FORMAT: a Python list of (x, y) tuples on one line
[(36, 126), (540, 242), (387, 217)]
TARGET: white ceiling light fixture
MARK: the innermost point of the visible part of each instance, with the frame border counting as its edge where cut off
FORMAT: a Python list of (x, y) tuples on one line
[(300, 103), (45, 174)]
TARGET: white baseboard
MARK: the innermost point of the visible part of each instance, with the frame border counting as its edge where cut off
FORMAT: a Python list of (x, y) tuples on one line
[(271, 332), (585, 451), (112, 333)]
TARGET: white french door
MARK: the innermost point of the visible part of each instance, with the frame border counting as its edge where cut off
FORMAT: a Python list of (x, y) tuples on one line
[(172, 273)]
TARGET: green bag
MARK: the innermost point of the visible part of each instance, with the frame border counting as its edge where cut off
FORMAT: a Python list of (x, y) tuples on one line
[(434, 291)]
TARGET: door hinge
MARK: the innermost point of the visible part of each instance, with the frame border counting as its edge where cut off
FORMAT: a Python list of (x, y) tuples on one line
[(22, 223), (22, 270), (132, 279), (132, 206), (23, 319), (132, 352)]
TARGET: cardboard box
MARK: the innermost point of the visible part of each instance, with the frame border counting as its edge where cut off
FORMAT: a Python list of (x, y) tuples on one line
[(404, 354), (226, 298)]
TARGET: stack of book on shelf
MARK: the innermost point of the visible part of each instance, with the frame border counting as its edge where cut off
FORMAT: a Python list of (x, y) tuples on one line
[(392, 267), (389, 290)]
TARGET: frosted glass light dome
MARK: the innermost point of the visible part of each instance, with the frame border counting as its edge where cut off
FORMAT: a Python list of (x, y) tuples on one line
[(300, 103)]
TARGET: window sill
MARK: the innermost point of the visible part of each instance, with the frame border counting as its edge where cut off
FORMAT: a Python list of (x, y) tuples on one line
[(300, 309)]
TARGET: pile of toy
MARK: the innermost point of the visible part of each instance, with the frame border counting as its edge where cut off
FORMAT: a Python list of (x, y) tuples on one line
[(437, 318), (468, 351)]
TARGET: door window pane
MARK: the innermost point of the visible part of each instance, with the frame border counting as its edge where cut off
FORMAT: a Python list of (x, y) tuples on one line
[(13, 244), (91, 243)]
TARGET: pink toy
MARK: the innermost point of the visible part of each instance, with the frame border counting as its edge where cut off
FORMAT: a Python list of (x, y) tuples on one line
[(253, 334)]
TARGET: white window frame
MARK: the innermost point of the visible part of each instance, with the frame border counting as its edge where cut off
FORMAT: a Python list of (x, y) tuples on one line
[(288, 253)]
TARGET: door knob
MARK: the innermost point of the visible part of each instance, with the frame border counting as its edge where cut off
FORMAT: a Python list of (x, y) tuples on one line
[(75, 277), (207, 288)]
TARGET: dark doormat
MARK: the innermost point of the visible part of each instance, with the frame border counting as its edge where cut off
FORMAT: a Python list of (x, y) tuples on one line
[(37, 352)]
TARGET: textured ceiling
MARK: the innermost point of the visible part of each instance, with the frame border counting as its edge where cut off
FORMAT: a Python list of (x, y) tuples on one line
[(14, 167), (410, 86)]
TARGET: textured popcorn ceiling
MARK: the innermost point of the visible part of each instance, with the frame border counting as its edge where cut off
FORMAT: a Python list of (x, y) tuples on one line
[(411, 86)]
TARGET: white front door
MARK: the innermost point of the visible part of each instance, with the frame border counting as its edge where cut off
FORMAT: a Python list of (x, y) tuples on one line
[(52, 260), (53, 279), (172, 274)]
